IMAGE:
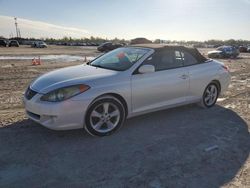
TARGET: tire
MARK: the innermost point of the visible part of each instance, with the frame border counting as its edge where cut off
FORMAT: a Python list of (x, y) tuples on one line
[(105, 116), (210, 95)]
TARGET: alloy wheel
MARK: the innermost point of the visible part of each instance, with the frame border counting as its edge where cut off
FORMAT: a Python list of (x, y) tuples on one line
[(105, 117), (211, 94)]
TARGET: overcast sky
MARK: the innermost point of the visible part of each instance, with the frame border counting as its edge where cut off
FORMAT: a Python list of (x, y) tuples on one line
[(164, 19)]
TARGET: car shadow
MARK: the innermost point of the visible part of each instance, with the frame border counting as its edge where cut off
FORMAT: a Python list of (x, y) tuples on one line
[(181, 147)]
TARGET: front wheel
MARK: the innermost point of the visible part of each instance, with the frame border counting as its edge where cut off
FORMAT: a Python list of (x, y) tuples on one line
[(104, 117), (210, 96)]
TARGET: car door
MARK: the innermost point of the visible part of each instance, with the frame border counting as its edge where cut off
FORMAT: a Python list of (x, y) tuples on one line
[(168, 85)]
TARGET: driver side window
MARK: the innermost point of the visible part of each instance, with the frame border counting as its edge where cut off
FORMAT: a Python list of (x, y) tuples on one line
[(165, 59)]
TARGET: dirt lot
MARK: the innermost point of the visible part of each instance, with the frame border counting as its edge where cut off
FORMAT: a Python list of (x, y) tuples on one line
[(171, 148)]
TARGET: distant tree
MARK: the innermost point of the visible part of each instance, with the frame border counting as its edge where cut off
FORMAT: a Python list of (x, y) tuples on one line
[(157, 41), (99, 40)]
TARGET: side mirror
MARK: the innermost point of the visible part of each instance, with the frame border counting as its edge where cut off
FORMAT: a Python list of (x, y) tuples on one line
[(146, 69)]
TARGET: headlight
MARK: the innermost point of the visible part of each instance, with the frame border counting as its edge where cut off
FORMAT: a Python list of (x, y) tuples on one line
[(62, 94)]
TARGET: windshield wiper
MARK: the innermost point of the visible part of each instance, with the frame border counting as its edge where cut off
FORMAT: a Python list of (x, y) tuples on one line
[(99, 66), (108, 68)]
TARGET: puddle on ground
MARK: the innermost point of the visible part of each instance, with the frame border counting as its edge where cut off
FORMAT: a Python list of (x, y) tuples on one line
[(230, 106), (64, 58), (221, 99)]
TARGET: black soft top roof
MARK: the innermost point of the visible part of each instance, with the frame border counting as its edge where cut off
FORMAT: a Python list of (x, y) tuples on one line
[(160, 47)]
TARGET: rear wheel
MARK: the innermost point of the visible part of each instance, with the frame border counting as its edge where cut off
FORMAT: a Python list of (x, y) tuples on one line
[(210, 95), (105, 116)]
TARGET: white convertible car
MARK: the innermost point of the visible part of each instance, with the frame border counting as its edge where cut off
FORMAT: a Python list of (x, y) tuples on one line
[(123, 83)]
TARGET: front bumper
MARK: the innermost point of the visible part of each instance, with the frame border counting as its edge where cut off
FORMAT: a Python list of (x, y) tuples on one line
[(63, 115)]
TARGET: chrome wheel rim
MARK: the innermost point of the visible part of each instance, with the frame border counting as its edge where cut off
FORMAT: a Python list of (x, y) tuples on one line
[(210, 95), (105, 117)]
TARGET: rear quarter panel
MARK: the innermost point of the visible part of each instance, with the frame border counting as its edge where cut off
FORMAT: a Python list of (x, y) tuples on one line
[(224, 77), (200, 76)]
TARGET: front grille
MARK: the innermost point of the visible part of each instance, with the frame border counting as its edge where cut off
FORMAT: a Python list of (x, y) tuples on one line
[(30, 93)]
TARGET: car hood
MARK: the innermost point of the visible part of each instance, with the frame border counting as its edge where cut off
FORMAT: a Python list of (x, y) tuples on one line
[(214, 52), (74, 75)]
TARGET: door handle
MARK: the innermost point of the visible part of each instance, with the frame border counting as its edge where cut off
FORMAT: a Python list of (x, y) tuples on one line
[(184, 76)]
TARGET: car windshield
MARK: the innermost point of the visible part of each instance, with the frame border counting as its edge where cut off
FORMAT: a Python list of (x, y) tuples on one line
[(119, 59), (106, 43), (225, 48), (220, 49)]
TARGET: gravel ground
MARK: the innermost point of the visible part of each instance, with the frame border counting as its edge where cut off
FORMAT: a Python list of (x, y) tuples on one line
[(181, 147)]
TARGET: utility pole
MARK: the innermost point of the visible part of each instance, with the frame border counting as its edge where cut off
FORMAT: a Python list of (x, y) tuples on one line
[(18, 33)]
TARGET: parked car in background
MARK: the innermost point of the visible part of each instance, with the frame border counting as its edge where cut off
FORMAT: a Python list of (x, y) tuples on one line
[(13, 43), (108, 46), (123, 83), (3, 43), (248, 49), (224, 52), (243, 49), (39, 44)]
